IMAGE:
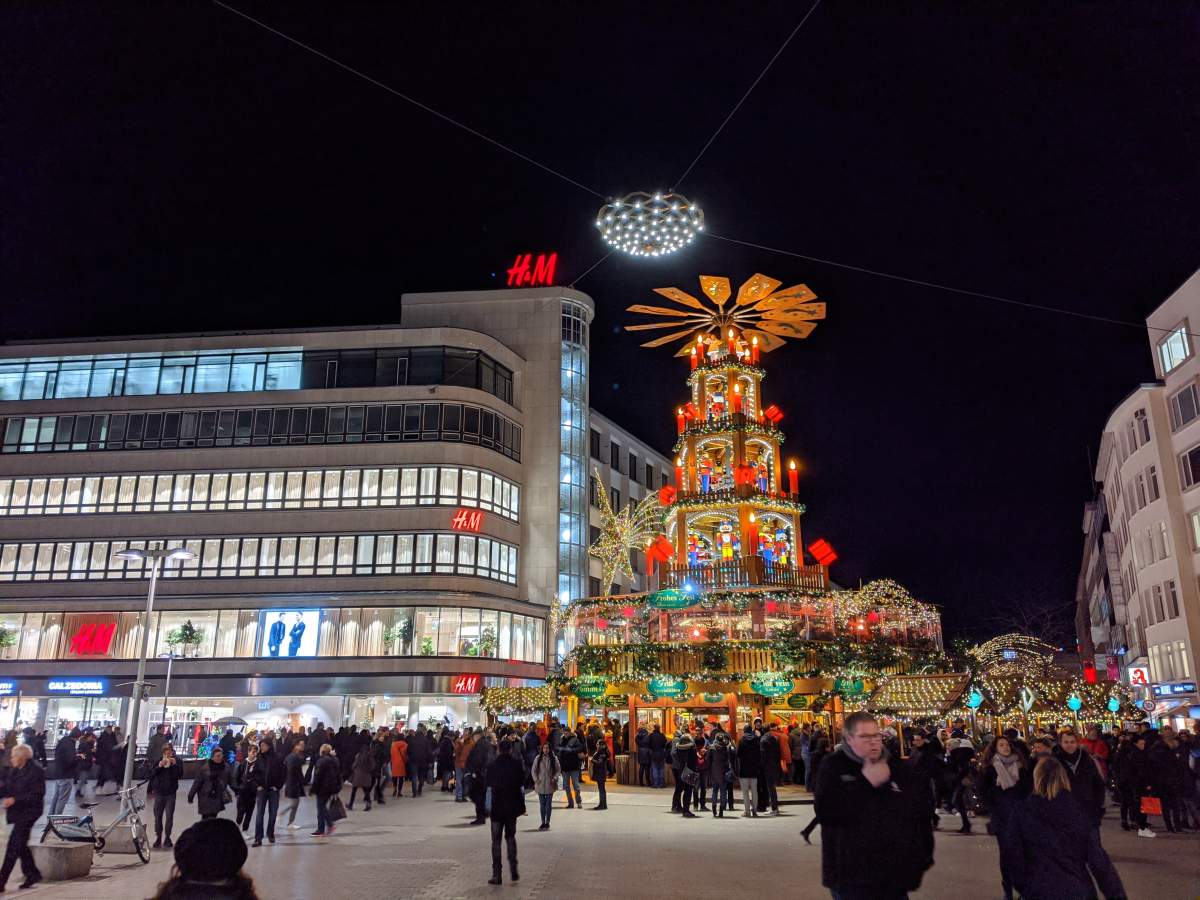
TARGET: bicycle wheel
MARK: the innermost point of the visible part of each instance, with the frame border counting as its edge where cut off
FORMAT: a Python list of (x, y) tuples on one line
[(141, 840)]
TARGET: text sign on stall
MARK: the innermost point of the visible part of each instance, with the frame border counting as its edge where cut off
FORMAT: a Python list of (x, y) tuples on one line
[(771, 684), (465, 684), (467, 520), (673, 599), (589, 687), (533, 271), (666, 686)]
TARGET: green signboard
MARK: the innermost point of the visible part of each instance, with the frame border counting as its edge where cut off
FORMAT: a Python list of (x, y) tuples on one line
[(674, 599), (798, 701), (666, 686), (714, 698), (588, 687), (771, 684), (848, 686)]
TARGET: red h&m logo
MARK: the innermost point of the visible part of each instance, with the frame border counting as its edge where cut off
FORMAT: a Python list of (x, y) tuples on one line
[(529, 271), (93, 639), (822, 552), (465, 684), (467, 520)]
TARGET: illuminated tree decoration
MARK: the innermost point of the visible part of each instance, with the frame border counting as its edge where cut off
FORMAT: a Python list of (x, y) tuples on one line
[(759, 318), (1015, 655), (642, 224), (517, 700), (621, 533)]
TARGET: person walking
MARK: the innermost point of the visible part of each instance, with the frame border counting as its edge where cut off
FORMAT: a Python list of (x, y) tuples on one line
[(876, 838), (326, 783), (245, 789), (657, 742), (1004, 783), (1169, 775), (24, 791), (63, 769), (420, 755), (478, 763), (601, 763), (399, 754), (926, 765), (164, 785), (106, 741), (229, 746), (445, 760), (772, 767), (1088, 792), (798, 743), (210, 787), (1133, 783), (505, 777), (642, 741), (546, 769), (570, 758), (720, 773), (1051, 836), (462, 749), (270, 775), (749, 765), (293, 785), (361, 777), (381, 757), (960, 753)]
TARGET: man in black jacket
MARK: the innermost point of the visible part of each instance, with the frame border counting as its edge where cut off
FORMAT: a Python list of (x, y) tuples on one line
[(63, 770), (420, 755), (270, 775), (505, 777), (23, 789), (876, 838), (570, 758), (771, 769), (749, 765), (1087, 790), (657, 742)]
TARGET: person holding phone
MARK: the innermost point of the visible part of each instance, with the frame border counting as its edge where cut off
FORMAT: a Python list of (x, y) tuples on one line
[(164, 785)]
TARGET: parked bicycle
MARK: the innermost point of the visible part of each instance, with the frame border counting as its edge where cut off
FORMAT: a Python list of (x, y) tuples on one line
[(82, 829)]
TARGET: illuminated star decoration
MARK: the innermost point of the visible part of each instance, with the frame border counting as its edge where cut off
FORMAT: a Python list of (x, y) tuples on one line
[(621, 533), (759, 311)]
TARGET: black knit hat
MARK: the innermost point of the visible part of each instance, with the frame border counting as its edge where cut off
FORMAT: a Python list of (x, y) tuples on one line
[(211, 850)]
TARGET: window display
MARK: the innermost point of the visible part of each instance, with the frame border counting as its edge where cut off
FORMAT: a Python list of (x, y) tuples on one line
[(289, 632)]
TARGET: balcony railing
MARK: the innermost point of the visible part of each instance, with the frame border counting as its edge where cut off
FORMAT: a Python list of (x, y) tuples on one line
[(745, 571)]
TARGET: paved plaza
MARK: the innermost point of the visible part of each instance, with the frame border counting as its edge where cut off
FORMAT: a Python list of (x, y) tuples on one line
[(424, 848)]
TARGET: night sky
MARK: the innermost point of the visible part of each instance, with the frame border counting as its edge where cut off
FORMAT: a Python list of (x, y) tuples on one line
[(173, 167)]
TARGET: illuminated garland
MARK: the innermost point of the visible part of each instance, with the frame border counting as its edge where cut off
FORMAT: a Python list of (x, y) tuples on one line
[(513, 700), (712, 601), (707, 369), (725, 425), (1033, 657), (883, 596), (727, 498)]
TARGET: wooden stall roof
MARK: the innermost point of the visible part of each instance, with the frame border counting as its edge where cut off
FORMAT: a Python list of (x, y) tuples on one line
[(917, 696)]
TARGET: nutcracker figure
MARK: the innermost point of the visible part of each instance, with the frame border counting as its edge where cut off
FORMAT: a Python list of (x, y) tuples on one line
[(762, 477), (725, 541), (781, 547), (693, 550), (766, 549), (706, 468)]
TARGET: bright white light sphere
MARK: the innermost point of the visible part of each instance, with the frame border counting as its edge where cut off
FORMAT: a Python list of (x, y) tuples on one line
[(665, 223)]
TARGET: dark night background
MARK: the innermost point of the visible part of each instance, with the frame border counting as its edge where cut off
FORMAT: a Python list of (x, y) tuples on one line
[(173, 167)]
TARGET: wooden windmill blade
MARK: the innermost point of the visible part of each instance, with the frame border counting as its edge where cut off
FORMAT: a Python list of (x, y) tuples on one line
[(756, 288), (658, 310), (790, 329), (653, 326), (766, 342), (681, 297), (797, 293), (658, 342), (799, 313), (716, 288)]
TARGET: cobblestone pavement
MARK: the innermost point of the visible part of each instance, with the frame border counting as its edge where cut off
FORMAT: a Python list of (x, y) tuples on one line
[(424, 848)]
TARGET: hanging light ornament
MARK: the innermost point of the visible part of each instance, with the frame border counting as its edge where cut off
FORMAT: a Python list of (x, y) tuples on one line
[(642, 224)]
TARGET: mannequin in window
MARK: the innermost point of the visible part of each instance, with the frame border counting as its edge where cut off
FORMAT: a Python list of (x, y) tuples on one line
[(275, 636), (296, 635)]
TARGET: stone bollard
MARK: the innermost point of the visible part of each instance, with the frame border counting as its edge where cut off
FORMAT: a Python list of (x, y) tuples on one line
[(61, 861)]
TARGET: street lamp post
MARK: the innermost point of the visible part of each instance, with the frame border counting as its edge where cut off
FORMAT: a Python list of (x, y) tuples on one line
[(155, 555), (169, 656)]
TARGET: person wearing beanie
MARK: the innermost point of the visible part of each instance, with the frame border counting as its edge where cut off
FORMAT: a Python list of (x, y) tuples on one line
[(208, 864)]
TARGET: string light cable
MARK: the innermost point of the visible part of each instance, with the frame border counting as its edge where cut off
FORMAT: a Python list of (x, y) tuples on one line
[(980, 295), (415, 102)]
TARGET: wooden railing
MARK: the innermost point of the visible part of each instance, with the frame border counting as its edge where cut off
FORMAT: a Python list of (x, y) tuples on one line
[(746, 571)]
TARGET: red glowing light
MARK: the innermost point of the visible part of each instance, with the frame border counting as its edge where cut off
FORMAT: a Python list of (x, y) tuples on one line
[(467, 520), (822, 552), (529, 271), (666, 495), (628, 612), (602, 624), (465, 684), (93, 639)]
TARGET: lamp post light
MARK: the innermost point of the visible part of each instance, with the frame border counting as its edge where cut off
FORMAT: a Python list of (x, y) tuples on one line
[(155, 555), (170, 657)]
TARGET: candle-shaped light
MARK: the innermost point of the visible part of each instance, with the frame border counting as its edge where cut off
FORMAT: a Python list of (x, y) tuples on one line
[(737, 398), (730, 341), (695, 359), (752, 536), (680, 486), (754, 351), (680, 421), (793, 478)]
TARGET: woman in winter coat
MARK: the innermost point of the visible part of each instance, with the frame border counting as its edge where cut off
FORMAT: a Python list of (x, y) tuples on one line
[(362, 774), (246, 786), (643, 758), (683, 759), (445, 759), (1051, 837), (546, 769), (1005, 780), (600, 763), (210, 789), (326, 783), (719, 775), (399, 764)]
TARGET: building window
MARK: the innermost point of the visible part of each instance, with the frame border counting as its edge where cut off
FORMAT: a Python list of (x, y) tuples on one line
[(280, 489), (615, 499), (593, 536), (1174, 349), (1162, 542), (192, 428), (1130, 437), (649, 476), (593, 491), (1139, 483), (1194, 528), (614, 455), (1152, 491), (633, 467), (663, 477), (1143, 427), (1189, 467), (1172, 596), (593, 587), (1160, 614), (268, 556), (594, 445), (1185, 406)]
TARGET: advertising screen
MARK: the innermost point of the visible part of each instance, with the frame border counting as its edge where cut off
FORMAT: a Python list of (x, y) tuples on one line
[(289, 632)]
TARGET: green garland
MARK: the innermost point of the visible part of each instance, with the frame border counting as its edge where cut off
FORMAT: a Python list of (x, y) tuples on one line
[(716, 368), (731, 498), (722, 426)]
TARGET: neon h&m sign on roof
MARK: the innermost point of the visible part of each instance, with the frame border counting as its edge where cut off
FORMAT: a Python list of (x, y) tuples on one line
[(529, 270)]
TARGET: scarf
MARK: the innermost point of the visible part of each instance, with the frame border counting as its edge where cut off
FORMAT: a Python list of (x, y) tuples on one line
[(1008, 770)]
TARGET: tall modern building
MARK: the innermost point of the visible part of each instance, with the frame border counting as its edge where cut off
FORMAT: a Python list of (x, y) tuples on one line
[(1141, 592), (381, 517)]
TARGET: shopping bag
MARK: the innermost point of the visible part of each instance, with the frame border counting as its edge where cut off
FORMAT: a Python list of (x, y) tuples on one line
[(336, 809), (1151, 806), (689, 777)]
